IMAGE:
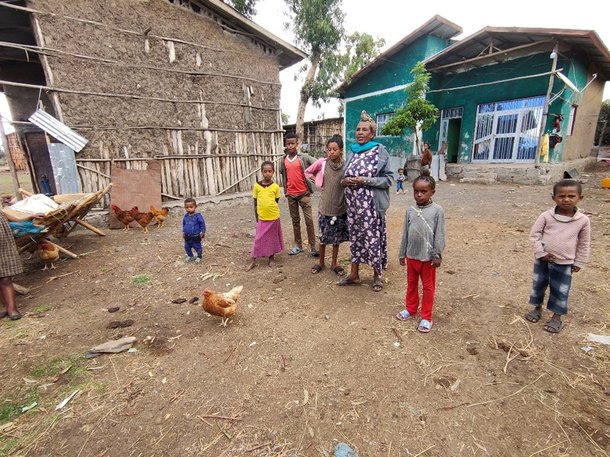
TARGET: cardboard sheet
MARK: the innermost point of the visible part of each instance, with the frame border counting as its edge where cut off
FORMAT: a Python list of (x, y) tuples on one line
[(141, 188)]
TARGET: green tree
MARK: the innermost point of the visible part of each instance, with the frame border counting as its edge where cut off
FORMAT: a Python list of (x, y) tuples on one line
[(318, 29), (417, 114), (245, 7), (602, 132), (361, 48)]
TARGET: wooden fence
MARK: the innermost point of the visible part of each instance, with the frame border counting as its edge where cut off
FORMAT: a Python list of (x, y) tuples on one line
[(16, 153), (191, 175)]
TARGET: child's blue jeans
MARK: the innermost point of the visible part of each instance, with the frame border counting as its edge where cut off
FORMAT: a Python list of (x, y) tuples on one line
[(399, 186), (193, 243), (558, 278)]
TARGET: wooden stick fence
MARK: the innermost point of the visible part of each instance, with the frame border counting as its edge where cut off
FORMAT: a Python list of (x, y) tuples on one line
[(191, 175)]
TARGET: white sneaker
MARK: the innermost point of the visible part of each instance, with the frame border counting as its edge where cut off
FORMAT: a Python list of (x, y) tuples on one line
[(198, 260), (188, 258)]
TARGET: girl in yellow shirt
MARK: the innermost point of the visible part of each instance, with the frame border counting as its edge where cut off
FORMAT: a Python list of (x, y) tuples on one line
[(268, 240)]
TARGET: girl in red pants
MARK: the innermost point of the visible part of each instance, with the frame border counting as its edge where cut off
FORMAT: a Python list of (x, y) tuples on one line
[(423, 241)]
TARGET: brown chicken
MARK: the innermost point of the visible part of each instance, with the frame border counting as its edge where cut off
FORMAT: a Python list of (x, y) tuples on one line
[(144, 219), (222, 305), (160, 215), (48, 253), (125, 217)]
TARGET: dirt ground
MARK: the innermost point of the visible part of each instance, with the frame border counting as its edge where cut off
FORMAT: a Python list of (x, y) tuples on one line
[(306, 364)]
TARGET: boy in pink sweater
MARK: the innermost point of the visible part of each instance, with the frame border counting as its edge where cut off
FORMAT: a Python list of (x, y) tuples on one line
[(561, 241)]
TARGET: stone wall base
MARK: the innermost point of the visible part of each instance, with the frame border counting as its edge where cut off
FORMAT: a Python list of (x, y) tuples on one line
[(546, 173)]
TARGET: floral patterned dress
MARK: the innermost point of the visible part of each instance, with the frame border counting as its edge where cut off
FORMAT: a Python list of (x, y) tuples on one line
[(367, 229)]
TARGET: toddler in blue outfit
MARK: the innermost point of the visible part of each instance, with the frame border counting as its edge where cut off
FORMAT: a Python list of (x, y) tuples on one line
[(193, 231)]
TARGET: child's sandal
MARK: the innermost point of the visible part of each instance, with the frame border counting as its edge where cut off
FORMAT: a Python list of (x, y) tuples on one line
[(424, 326), (316, 269), (403, 315)]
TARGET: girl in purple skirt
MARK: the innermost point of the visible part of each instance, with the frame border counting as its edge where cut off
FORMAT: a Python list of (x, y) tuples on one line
[(268, 240)]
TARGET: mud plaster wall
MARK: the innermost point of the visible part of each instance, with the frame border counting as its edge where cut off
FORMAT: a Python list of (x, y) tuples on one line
[(225, 53)]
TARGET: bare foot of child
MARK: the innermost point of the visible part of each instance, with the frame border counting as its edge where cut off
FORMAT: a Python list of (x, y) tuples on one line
[(273, 263)]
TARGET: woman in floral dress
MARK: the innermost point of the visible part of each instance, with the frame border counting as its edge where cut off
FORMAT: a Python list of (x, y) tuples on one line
[(367, 181)]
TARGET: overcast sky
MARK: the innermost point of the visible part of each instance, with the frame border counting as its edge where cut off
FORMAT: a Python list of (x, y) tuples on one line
[(394, 19)]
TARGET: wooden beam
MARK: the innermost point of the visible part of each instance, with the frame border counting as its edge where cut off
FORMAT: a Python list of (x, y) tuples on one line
[(540, 45), (9, 159), (46, 51), (93, 170), (63, 250), (88, 226), (127, 96), (47, 69)]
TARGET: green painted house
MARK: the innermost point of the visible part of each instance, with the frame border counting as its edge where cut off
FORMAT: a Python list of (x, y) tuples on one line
[(379, 87), (509, 99)]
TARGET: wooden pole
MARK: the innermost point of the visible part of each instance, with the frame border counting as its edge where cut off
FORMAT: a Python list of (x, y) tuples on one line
[(9, 159), (88, 226), (545, 109), (54, 97), (63, 250), (55, 90)]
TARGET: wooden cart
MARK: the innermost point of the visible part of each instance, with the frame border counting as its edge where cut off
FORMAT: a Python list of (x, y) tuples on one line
[(62, 221)]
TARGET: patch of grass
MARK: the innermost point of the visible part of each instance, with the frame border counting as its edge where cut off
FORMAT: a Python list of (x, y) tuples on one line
[(59, 364), (9, 323), (21, 334), (8, 411), (7, 445), (141, 279), (98, 387), (11, 408), (40, 309), (6, 183)]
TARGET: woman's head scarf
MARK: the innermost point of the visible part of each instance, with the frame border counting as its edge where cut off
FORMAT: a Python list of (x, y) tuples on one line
[(364, 117)]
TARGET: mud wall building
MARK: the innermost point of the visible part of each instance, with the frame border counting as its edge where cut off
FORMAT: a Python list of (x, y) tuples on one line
[(192, 84)]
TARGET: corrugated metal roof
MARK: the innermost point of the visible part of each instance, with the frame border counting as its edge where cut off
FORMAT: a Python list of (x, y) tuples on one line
[(511, 42), (58, 130)]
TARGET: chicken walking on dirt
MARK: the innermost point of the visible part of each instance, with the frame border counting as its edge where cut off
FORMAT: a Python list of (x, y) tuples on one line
[(160, 215), (125, 217), (144, 219), (221, 304)]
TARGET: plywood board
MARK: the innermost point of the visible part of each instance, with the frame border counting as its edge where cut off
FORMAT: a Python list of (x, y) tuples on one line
[(141, 188)]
